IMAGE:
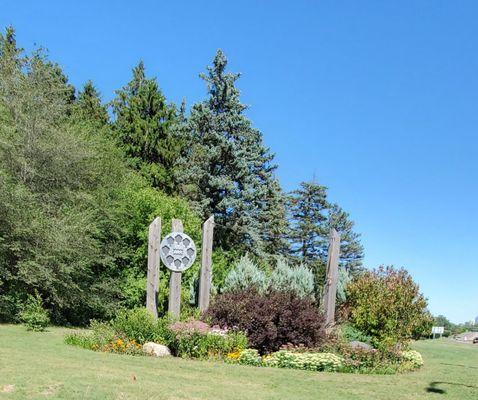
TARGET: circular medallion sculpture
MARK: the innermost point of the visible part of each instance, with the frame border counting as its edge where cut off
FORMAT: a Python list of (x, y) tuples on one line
[(177, 251)]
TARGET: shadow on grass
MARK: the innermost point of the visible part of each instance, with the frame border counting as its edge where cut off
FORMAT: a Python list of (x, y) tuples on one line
[(459, 365), (433, 387)]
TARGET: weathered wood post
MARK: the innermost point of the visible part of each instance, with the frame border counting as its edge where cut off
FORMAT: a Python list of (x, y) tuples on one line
[(154, 239), (174, 304), (206, 264), (332, 276)]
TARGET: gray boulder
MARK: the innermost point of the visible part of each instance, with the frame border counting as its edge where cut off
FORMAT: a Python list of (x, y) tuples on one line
[(355, 344), (156, 350)]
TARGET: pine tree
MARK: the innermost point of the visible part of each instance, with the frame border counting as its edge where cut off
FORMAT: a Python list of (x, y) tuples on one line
[(308, 231), (88, 106), (144, 127), (228, 170), (308, 211), (274, 224), (351, 250)]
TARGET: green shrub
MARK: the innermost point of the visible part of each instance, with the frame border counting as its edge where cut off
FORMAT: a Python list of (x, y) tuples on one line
[(196, 339), (296, 279), (245, 275), (249, 357), (306, 361), (350, 333), (137, 324), (386, 305), (97, 337), (413, 357), (33, 315)]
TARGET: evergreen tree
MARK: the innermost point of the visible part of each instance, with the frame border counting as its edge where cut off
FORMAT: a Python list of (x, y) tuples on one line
[(351, 250), (89, 107), (229, 170), (308, 212), (144, 127), (274, 224), (308, 228)]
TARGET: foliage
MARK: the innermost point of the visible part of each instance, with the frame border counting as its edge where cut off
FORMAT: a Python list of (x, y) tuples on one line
[(195, 339), (307, 361), (350, 333), (387, 305), (79, 370), (299, 279), (245, 275), (137, 324), (132, 328), (33, 315), (311, 219), (274, 225), (413, 357), (144, 128), (342, 282), (228, 170), (88, 106), (351, 250), (269, 320), (102, 337), (245, 357)]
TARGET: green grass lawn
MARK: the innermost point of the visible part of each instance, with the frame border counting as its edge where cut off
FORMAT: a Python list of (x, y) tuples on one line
[(41, 366)]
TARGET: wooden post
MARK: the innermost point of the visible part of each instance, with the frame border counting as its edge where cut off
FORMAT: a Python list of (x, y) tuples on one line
[(174, 304), (332, 276), (206, 264), (154, 239)]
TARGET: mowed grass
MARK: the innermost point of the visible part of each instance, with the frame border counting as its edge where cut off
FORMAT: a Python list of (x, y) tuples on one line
[(41, 366)]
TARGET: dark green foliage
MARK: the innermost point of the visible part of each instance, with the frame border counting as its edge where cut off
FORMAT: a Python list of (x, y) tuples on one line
[(308, 207), (351, 250), (270, 320), (33, 315), (273, 222), (145, 128), (350, 333), (88, 106), (73, 217), (311, 219), (137, 324), (228, 169)]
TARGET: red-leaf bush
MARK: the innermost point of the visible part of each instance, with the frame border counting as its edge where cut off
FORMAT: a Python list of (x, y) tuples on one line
[(269, 320)]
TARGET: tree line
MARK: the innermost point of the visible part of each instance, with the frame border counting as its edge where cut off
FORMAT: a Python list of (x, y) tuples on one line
[(80, 180)]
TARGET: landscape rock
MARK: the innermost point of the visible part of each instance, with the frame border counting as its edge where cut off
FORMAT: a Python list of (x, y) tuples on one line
[(156, 350), (355, 344)]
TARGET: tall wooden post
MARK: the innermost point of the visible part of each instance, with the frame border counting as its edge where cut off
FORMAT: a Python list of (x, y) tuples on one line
[(154, 239), (332, 276), (206, 264), (174, 304)]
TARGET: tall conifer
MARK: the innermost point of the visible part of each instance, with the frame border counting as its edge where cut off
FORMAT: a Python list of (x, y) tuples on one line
[(88, 106), (229, 169), (144, 127)]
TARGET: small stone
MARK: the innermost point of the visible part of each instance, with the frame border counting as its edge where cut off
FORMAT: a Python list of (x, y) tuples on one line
[(156, 350), (355, 344)]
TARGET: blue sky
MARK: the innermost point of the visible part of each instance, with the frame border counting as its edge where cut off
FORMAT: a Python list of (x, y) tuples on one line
[(378, 100)]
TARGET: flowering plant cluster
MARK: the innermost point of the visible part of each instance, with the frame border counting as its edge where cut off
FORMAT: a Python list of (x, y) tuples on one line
[(413, 357), (288, 359), (196, 339), (123, 346)]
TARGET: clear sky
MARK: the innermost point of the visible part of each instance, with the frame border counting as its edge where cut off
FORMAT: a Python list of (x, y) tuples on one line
[(378, 100)]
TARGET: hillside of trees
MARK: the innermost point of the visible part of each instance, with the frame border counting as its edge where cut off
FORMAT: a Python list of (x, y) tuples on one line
[(80, 181)]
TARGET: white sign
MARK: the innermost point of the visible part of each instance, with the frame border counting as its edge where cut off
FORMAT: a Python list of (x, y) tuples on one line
[(177, 251), (438, 330)]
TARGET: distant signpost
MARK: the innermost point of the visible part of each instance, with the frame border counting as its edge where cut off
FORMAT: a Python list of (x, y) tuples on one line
[(438, 330)]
